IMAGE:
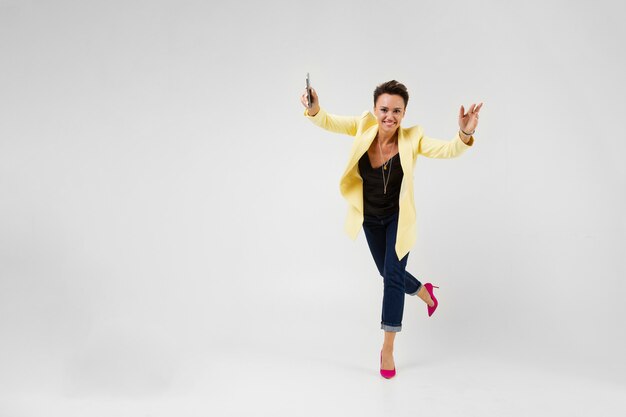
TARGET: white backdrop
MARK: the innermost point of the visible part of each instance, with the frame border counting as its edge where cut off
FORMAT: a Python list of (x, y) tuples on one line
[(163, 199)]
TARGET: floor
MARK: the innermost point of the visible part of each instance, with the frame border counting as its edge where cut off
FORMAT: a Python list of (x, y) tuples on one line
[(251, 382)]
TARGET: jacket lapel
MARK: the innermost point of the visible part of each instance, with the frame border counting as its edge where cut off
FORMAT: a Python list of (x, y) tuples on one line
[(406, 160), (361, 145)]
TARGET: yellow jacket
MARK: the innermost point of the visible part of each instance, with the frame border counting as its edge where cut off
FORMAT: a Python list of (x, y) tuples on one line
[(411, 143)]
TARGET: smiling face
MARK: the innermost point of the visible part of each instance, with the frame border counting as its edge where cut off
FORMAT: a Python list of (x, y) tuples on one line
[(389, 111)]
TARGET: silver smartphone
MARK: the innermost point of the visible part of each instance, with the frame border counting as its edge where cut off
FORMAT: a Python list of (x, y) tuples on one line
[(308, 89)]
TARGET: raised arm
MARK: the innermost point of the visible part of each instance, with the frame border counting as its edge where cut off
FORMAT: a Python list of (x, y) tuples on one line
[(338, 124), (436, 148)]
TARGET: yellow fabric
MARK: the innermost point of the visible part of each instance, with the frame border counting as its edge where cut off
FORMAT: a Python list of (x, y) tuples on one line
[(411, 143)]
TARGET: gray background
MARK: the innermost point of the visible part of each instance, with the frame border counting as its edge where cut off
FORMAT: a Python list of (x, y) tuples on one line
[(171, 227)]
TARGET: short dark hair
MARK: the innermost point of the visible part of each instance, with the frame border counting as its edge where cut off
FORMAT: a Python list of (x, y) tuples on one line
[(392, 87)]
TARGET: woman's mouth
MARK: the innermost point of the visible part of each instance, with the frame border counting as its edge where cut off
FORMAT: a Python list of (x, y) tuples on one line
[(389, 123)]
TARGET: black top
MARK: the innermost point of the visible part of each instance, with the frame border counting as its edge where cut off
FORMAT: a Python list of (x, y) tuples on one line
[(375, 201)]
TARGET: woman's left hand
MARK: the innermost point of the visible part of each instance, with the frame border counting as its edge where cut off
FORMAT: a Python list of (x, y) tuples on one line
[(469, 121)]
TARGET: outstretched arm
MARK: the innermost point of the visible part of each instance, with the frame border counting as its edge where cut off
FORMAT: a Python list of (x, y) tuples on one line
[(436, 148), (338, 124)]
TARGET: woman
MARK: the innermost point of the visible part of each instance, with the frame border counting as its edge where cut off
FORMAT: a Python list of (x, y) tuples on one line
[(378, 184)]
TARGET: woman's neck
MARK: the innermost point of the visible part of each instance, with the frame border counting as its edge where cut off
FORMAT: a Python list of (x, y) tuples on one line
[(386, 139)]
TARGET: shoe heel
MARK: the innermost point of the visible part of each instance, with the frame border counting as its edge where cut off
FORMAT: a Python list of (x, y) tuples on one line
[(429, 287)]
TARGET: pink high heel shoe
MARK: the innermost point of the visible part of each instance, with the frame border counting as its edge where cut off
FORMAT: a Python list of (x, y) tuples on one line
[(386, 373), (429, 287)]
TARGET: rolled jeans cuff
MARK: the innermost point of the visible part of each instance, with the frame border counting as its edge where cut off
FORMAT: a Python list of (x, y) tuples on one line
[(418, 290), (388, 328)]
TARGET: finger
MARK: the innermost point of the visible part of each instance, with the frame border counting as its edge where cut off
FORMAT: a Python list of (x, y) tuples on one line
[(478, 108), (462, 112), (471, 109)]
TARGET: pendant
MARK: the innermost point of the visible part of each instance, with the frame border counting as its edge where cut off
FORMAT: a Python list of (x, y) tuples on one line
[(385, 167)]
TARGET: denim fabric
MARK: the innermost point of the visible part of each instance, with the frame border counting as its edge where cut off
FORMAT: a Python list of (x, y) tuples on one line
[(380, 233)]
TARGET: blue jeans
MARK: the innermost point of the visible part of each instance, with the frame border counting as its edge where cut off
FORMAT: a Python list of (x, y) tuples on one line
[(380, 233)]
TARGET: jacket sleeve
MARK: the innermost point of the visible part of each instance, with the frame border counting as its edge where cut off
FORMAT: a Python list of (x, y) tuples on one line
[(338, 124), (437, 148)]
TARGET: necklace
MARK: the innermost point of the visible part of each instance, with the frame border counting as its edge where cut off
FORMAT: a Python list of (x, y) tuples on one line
[(382, 154), (383, 168)]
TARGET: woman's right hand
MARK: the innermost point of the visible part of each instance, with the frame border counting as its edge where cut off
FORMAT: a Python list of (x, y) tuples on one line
[(315, 107)]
